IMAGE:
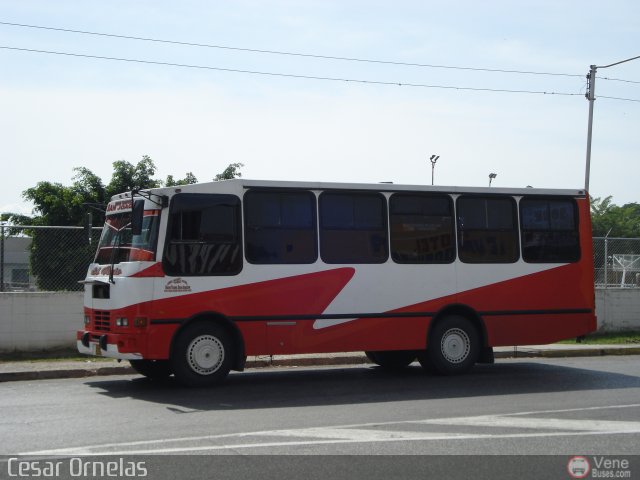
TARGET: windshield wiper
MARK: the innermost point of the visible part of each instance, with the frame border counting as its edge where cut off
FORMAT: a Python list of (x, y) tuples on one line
[(112, 260), (114, 249)]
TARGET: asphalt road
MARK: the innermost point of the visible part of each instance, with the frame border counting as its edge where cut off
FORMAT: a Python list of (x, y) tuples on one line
[(562, 407)]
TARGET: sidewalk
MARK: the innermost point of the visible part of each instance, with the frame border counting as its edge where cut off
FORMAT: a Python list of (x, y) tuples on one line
[(53, 369)]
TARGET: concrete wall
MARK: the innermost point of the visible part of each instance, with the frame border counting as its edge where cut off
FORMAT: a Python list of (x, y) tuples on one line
[(618, 309), (39, 321)]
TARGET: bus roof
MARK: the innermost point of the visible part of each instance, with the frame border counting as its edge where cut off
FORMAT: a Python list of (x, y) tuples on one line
[(236, 183), (392, 187)]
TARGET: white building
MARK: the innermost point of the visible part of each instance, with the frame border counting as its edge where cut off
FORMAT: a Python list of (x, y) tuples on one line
[(17, 276)]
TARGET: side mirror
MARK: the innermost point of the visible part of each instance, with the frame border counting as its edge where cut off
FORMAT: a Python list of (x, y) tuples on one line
[(137, 215)]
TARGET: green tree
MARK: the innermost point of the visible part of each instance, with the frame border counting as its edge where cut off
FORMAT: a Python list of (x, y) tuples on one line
[(59, 258), (189, 179), (127, 177), (55, 204), (609, 218), (232, 171), (15, 219)]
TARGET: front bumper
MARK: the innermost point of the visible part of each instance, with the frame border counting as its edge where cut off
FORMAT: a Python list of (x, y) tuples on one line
[(89, 345)]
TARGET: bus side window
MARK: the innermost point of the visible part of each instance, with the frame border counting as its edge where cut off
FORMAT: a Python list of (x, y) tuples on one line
[(421, 228), (487, 229), (353, 227), (203, 236), (280, 227), (549, 230)]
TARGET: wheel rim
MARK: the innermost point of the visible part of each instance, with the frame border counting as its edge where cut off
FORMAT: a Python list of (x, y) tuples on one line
[(455, 345), (205, 354)]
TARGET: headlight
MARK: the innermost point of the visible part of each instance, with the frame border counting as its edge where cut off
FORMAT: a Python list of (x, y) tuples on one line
[(122, 322), (87, 319)]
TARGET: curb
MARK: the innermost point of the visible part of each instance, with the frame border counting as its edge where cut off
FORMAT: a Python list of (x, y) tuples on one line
[(266, 362), (596, 352), (64, 373), (308, 361), (127, 370), (568, 353)]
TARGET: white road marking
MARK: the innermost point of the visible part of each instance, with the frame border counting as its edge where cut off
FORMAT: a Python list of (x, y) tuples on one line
[(239, 446), (367, 433), (354, 434), (578, 409), (538, 423)]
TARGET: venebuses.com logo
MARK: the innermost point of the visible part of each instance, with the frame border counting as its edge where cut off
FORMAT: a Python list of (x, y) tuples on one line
[(598, 467), (578, 467)]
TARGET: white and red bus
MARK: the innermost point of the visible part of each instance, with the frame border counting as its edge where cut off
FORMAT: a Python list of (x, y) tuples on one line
[(191, 280)]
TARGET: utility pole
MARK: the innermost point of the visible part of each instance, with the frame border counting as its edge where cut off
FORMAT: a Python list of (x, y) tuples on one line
[(434, 159), (591, 96), (1, 256)]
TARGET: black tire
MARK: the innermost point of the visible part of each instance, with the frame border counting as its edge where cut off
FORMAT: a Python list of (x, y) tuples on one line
[(153, 369), (393, 359), (453, 346), (201, 355)]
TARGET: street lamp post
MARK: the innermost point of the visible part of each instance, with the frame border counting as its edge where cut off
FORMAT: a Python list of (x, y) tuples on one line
[(591, 96), (1, 256), (434, 159), (491, 177)]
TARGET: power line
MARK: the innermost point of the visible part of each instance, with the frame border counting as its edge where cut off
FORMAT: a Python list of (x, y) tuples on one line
[(618, 98), (308, 55), (618, 80), (289, 75), (294, 54)]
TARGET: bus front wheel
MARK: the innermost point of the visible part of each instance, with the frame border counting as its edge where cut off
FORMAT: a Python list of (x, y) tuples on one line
[(201, 355), (453, 346)]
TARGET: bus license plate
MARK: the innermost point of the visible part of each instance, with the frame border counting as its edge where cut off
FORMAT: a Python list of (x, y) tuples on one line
[(97, 350)]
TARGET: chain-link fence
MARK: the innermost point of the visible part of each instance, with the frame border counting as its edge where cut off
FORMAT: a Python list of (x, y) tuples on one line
[(617, 262), (56, 258), (45, 258)]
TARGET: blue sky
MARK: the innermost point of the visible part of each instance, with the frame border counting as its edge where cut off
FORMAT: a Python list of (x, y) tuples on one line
[(59, 112)]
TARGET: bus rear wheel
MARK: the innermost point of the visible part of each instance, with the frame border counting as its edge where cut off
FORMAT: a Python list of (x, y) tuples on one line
[(153, 369), (201, 355), (393, 359), (453, 346)]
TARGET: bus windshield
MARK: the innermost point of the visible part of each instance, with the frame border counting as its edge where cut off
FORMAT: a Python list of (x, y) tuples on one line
[(117, 244)]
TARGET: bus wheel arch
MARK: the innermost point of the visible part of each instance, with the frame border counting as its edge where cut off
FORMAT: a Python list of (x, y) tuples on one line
[(202, 339), (456, 340)]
